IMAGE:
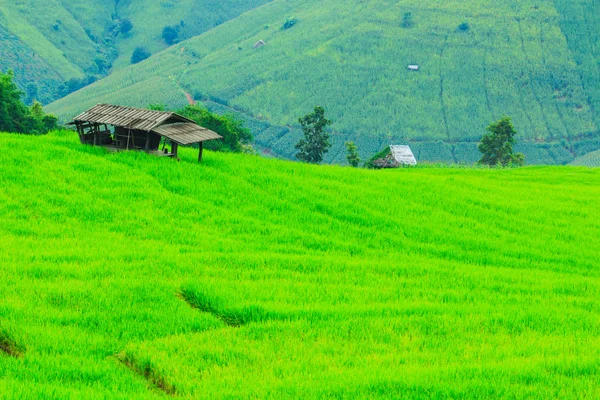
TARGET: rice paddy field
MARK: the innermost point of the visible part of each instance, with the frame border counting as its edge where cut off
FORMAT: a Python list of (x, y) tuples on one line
[(135, 277)]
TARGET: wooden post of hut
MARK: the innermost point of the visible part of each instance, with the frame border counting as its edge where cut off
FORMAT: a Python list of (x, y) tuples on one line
[(174, 148), (201, 146)]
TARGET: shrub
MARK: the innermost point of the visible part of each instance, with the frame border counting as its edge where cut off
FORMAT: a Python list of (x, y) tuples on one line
[(139, 55), (235, 135), (289, 22), (170, 34)]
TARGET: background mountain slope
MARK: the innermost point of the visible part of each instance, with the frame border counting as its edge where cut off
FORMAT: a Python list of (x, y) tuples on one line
[(48, 42), (535, 61)]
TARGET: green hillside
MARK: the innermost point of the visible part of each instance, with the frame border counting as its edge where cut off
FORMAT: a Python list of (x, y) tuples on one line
[(129, 276), (533, 60), (48, 42), (589, 160)]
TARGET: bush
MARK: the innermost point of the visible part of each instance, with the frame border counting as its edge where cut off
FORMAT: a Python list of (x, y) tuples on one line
[(18, 118), (464, 27), (289, 22), (235, 135), (407, 20), (170, 34), (125, 26), (139, 55)]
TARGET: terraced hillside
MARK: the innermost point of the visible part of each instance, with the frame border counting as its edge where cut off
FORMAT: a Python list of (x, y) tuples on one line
[(48, 42), (589, 160), (129, 276), (533, 60)]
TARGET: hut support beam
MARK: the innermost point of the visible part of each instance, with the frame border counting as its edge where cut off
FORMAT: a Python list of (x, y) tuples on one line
[(174, 147), (201, 148)]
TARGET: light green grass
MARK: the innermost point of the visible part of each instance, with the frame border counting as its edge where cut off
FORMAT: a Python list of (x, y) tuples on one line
[(530, 60), (129, 276)]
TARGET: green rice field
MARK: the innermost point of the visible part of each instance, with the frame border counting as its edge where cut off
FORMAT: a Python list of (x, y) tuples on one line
[(127, 276)]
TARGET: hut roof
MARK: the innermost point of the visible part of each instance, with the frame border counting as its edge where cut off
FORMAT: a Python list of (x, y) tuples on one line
[(169, 124), (403, 155), (186, 133), (128, 117)]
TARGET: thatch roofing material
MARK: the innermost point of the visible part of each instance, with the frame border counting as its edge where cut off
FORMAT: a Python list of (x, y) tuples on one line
[(186, 133)]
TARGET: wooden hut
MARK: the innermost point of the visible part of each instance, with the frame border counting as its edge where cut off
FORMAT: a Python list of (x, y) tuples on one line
[(126, 128), (260, 44)]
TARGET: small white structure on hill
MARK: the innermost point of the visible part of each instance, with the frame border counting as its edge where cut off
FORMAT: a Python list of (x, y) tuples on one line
[(403, 155), (260, 44), (413, 67), (399, 155)]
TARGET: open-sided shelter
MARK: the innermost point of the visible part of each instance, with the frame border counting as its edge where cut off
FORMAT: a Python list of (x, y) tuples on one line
[(126, 128)]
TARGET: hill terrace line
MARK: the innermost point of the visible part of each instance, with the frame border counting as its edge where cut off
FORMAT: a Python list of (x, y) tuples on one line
[(124, 128)]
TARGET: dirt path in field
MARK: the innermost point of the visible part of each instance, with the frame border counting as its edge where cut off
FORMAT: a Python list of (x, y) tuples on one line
[(190, 99)]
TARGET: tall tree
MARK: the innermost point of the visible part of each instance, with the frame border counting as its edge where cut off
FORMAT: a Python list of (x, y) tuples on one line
[(496, 146), (316, 139), (235, 135), (352, 154), (15, 116)]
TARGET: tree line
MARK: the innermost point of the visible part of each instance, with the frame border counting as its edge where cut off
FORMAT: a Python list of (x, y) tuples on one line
[(496, 145), (15, 116)]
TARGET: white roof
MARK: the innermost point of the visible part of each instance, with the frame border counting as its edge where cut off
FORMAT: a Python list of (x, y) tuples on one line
[(413, 67), (403, 155)]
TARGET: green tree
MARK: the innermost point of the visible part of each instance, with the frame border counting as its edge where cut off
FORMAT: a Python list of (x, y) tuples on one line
[(15, 116), (170, 34), (497, 145), (235, 135), (139, 55), (407, 20), (352, 154), (316, 139), (125, 26)]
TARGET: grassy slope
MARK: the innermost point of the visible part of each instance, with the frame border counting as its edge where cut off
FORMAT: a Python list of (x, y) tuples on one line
[(589, 160), (128, 276), (82, 27), (521, 59)]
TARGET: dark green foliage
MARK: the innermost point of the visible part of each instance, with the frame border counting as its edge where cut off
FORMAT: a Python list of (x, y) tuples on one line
[(125, 26), (15, 116), (380, 155), (170, 34), (157, 107), (235, 135), (139, 55), (497, 145), (316, 140), (407, 20), (464, 27), (352, 154), (289, 22)]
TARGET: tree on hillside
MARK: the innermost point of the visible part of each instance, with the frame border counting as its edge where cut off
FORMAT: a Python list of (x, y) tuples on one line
[(352, 154), (316, 139), (139, 55), (125, 26), (497, 145), (16, 116), (407, 20), (170, 34), (235, 135)]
